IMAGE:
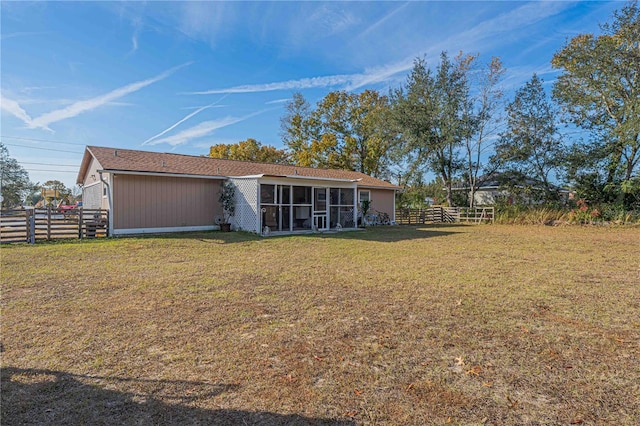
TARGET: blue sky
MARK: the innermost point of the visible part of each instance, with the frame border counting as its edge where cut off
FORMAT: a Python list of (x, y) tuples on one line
[(182, 76)]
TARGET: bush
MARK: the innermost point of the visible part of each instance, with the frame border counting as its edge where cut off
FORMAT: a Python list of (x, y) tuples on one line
[(581, 213)]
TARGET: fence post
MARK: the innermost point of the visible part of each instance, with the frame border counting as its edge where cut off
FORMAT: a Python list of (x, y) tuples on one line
[(32, 228), (80, 222), (49, 223), (27, 229)]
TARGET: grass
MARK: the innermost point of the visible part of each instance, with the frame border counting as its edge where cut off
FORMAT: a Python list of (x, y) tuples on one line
[(401, 325)]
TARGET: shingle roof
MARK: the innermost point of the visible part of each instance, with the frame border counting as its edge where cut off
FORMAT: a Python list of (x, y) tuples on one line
[(117, 159)]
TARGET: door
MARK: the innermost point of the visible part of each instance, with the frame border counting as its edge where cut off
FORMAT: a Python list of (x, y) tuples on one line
[(320, 220)]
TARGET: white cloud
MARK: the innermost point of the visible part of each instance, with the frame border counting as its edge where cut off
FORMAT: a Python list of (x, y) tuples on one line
[(329, 19), (471, 40), (305, 83), (20, 34), (373, 27), (519, 18), (205, 21), (79, 107), (137, 24), (14, 108), (203, 129), (277, 101), (167, 130)]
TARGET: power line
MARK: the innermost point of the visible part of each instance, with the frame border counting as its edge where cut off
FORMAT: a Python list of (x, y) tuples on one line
[(50, 164), (42, 140), (44, 149), (47, 170)]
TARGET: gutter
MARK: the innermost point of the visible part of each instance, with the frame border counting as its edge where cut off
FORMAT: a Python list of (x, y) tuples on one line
[(181, 175), (109, 200)]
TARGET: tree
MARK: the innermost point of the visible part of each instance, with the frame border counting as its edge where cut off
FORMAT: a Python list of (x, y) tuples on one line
[(430, 113), (354, 123), (599, 90), (415, 193), (531, 147), (298, 131), (249, 150), (346, 131), (482, 122), (14, 180)]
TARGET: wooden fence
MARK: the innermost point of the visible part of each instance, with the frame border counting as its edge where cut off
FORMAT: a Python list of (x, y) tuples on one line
[(437, 214), (31, 225)]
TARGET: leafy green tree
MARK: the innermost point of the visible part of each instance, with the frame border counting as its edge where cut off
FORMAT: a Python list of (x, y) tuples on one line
[(599, 90), (430, 112), (14, 180), (531, 146), (415, 193), (346, 131), (355, 124), (249, 150), (299, 131)]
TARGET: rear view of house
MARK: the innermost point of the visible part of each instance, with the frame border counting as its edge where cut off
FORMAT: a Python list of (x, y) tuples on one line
[(149, 192)]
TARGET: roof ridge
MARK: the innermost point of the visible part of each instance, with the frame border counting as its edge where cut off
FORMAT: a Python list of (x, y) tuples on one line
[(229, 159)]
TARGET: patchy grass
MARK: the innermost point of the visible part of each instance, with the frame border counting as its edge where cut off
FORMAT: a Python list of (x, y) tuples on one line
[(403, 325)]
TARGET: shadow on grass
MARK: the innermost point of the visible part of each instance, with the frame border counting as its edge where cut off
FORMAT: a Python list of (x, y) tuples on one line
[(392, 234), (375, 233), (31, 396)]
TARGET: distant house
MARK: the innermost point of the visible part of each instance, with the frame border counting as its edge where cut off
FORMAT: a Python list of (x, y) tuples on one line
[(510, 189), (149, 192)]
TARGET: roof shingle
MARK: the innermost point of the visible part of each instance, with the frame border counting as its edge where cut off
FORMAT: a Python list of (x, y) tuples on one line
[(116, 159)]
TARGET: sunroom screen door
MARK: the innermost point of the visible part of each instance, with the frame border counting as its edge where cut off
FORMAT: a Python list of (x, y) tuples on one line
[(320, 217)]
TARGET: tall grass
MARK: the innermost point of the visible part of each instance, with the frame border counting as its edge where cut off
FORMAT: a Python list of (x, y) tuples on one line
[(523, 215), (546, 215)]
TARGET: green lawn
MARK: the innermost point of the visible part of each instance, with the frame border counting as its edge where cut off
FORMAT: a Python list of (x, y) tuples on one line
[(402, 325)]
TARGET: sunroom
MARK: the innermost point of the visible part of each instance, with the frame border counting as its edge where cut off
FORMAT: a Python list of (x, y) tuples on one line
[(286, 204)]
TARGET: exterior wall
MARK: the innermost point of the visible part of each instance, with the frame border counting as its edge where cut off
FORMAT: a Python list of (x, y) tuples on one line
[(93, 189), (486, 197), (383, 200), (144, 203)]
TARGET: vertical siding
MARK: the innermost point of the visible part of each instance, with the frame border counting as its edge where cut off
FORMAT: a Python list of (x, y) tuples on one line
[(382, 200), (162, 202)]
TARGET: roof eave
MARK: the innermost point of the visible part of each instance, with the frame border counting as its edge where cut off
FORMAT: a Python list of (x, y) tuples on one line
[(162, 174), (84, 166)]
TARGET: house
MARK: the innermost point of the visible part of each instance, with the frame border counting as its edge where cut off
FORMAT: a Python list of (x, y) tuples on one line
[(150, 192), (510, 188)]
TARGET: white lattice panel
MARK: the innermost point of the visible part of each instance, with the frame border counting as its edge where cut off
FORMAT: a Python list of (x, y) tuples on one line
[(246, 214), (92, 197)]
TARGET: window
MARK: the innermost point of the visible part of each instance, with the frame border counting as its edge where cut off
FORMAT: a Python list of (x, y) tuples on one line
[(341, 211), (285, 207), (104, 190), (268, 194), (301, 195), (365, 196), (346, 197)]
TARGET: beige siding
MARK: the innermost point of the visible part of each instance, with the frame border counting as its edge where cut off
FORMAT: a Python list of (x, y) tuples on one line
[(94, 187), (92, 173), (382, 200), (143, 202)]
